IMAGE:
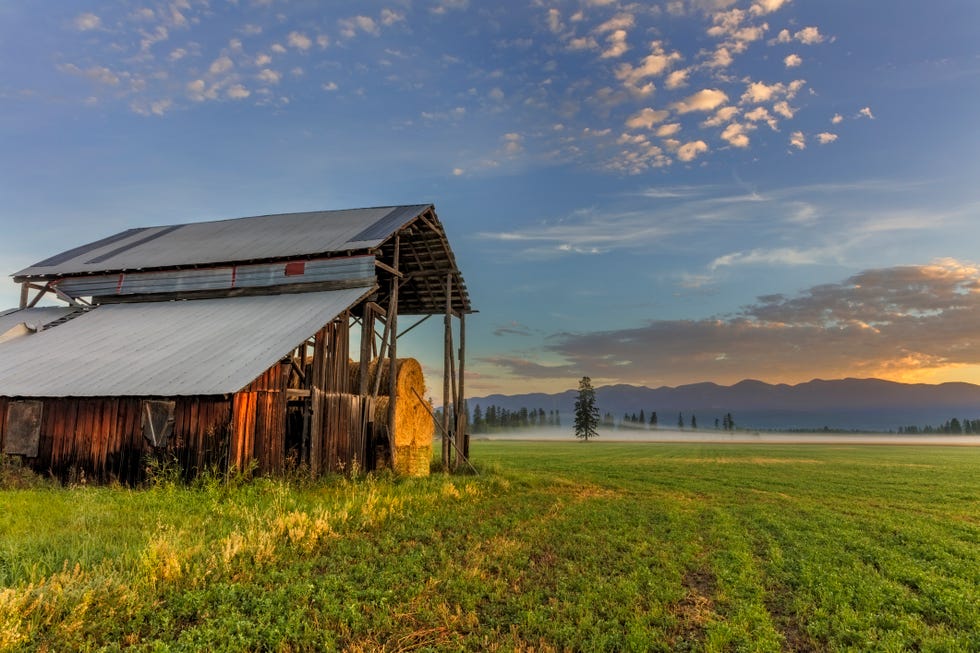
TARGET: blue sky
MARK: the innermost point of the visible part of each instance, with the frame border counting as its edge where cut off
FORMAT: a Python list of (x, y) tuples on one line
[(649, 193)]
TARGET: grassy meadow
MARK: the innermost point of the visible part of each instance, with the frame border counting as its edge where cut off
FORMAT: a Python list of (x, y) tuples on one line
[(554, 546)]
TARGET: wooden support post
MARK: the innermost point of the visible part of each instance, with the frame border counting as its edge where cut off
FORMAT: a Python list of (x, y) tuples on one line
[(448, 354), (24, 293), (392, 322), (367, 338), (462, 432)]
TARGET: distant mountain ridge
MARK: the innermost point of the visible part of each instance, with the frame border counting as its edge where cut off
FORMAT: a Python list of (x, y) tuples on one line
[(872, 404)]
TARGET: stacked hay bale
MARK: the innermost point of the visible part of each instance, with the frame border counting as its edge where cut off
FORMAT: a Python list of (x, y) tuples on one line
[(413, 425)]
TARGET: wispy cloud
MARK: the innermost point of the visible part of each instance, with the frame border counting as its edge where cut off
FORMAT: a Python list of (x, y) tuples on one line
[(880, 322)]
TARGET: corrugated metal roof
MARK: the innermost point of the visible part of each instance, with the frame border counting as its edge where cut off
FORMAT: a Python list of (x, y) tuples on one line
[(195, 347), (225, 241), (33, 317)]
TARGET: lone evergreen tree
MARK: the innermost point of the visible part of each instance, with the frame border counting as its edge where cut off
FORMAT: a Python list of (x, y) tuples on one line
[(586, 411)]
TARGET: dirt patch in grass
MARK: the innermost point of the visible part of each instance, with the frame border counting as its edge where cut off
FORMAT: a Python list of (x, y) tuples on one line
[(795, 638), (696, 610)]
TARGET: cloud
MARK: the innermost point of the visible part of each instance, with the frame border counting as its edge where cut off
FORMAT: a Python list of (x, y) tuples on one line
[(299, 41), (792, 60), (86, 22), (513, 143), (623, 21), (458, 172), (389, 17), (269, 76), (582, 43), (782, 108), (759, 92), (761, 114), (689, 151), (809, 36), (763, 7), (722, 58), (735, 134), (329, 86), (798, 140), (677, 79), (866, 113), (445, 6), (221, 65), (880, 322), (100, 74), (646, 118), (721, 116), (826, 137), (670, 129), (349, 27), (837, 119), (705, 100), (238, 92), (512, 328), (654, 64), (617, 45)]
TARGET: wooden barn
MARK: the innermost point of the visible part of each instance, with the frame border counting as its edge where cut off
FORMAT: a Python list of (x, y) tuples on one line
[(227, 345)]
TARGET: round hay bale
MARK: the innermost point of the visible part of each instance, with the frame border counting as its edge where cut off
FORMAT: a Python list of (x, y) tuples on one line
[(408, 376)]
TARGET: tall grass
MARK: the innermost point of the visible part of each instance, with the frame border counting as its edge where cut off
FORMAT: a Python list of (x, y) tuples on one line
[(555, 546)]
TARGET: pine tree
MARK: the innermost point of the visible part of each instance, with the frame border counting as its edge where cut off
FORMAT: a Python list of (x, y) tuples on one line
[(680, 421), (653, 420), (586, 411)]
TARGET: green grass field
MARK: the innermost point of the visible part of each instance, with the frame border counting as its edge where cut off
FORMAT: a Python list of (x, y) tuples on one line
[(559, 546)]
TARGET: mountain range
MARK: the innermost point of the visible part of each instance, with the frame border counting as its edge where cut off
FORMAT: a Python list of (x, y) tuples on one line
[(849, 404)]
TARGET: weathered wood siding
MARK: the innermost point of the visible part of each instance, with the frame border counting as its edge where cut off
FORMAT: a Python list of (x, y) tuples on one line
[(258, 422), (102, 437)]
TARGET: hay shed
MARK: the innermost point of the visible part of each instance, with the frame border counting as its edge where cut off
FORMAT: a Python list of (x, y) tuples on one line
[(227, 345)]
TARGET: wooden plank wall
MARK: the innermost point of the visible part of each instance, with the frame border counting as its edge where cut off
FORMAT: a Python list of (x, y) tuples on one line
[(341, 418), (258, 430), (101, 438)]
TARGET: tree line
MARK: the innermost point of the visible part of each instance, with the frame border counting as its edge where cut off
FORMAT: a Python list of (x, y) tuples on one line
[(497, 418), (952, 426)]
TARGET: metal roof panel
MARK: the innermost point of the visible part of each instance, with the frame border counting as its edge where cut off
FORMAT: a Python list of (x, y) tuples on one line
[(224, 241), (179, 348)]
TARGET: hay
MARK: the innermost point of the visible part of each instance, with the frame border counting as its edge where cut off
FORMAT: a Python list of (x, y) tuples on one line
[(413, 425), (408, 376)]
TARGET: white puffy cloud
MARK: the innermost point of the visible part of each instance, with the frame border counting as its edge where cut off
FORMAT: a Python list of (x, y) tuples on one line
[(784, 36), (513, 143), (837, 119), (646, 118), (762, 7), (623, 21), (329, 86), (826, 137), (654, 64), (299, 41), (349, 27), (759, 92), (761, 114), (736, 134), (617, 45), (782, 108), (866, 113), (721, 116), (669, 129), (707, 99), (690, 151), (721, 58), (582, 43), (677, 79), (797, 140), (792, 60), (269, 76), (238, 92), (554, 21), (390, 17), (87, 21), (221, 65), (262, 60), (809, 36)]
